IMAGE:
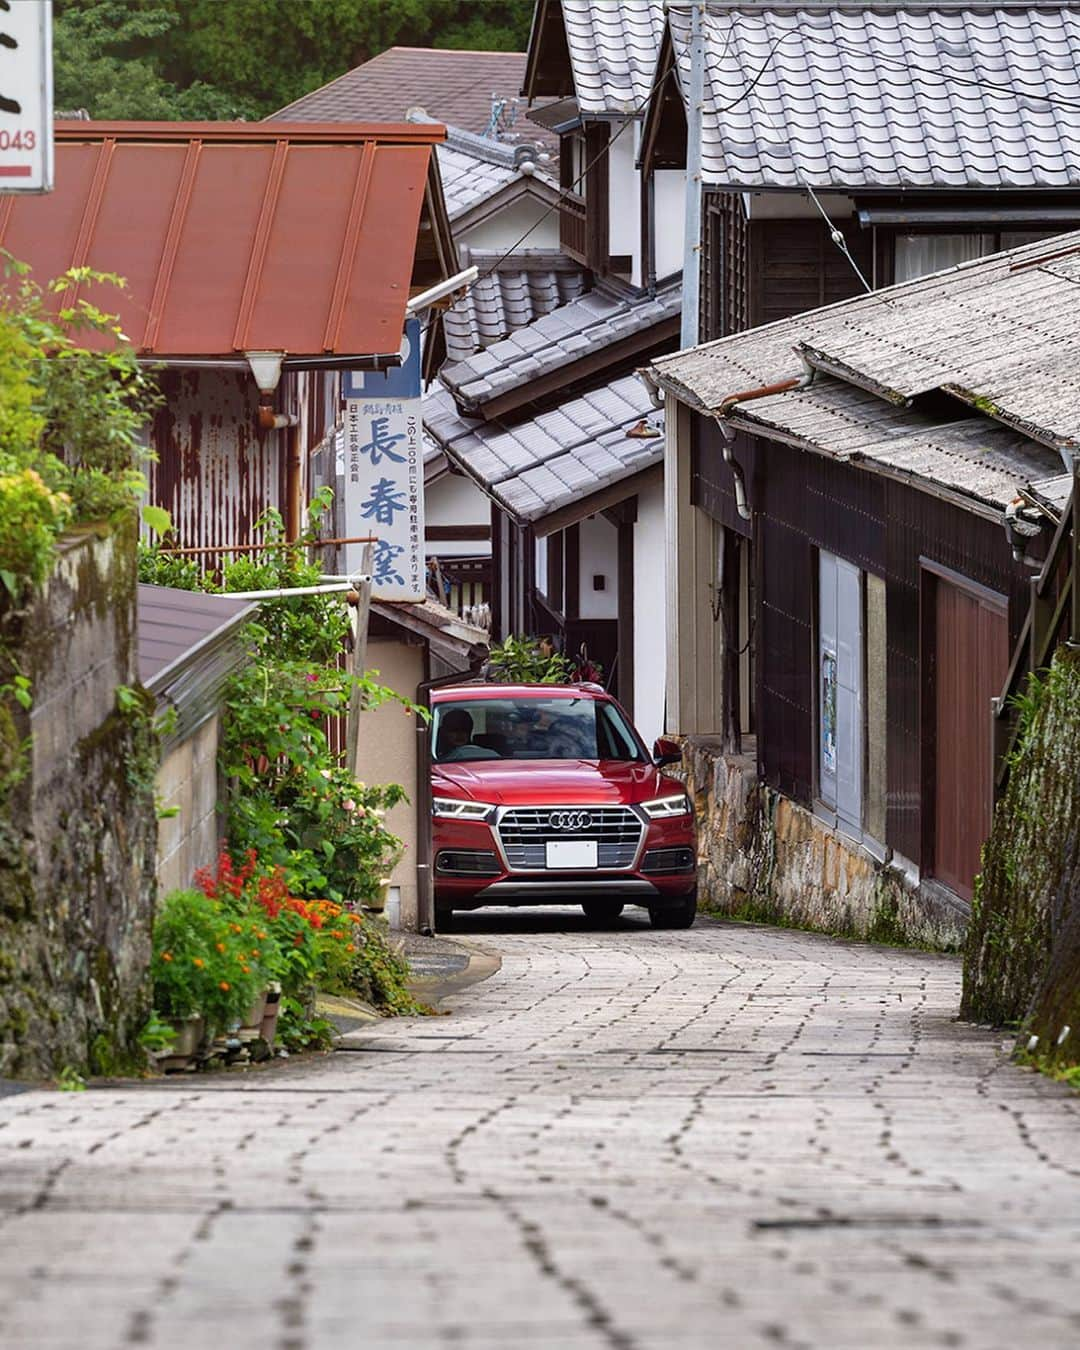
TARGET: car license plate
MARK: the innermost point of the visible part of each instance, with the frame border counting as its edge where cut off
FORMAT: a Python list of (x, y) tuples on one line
[(571, 853)]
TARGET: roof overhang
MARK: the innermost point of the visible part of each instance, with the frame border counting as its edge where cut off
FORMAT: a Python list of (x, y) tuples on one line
[(610, 495), (559, 116), (242, 236), (457, 643)]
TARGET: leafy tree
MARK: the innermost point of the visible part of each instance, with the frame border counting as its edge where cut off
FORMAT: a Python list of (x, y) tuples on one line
[(213, 59)]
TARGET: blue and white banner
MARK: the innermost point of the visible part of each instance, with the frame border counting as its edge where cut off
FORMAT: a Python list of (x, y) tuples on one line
[(384, 472)]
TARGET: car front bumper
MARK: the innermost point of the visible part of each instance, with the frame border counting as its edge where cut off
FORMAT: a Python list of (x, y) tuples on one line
[(471, 869)]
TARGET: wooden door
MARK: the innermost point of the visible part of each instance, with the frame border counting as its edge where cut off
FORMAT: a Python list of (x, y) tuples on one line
[(971, 650)]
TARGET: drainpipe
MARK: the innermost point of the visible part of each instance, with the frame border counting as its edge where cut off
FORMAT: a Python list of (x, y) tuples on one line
[(744, 396), (692, 226), (425, 891)]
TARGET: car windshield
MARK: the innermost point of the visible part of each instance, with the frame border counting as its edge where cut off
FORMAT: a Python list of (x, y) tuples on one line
[(532, 728)]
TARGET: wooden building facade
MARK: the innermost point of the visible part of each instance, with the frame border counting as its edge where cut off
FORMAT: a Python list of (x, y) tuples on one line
[(873, 709)]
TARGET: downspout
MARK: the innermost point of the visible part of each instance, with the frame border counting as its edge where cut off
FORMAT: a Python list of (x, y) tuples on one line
[(692, 227), (269, 420), (425, 890), (744, 396)]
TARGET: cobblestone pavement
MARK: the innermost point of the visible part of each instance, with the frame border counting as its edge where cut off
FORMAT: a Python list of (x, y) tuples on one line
[(732, 1136)]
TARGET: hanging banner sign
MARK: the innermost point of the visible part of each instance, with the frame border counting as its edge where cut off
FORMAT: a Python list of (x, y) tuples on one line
[(384, 472), (26, 116)]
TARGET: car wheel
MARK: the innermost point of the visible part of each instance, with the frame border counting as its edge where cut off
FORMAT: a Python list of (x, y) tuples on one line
[(602, 911), (681, 915), (444, 918)]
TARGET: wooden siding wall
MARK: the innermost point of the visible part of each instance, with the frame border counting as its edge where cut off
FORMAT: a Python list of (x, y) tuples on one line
[(802, 502), (756, 271), (725, 277)]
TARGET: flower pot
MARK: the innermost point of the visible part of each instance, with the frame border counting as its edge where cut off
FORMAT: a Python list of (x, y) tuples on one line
[(271, 1008), (189, 1035)]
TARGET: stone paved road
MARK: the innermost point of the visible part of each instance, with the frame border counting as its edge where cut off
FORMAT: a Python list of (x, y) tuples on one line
[(732, 1136)]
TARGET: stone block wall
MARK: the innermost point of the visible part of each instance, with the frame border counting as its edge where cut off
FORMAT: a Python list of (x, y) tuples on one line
[(188, 782), (765, 857), (78, 835)]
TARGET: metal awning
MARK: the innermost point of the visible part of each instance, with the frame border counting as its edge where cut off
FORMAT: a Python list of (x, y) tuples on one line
[(291, 237), (971, 217), (560, 116)]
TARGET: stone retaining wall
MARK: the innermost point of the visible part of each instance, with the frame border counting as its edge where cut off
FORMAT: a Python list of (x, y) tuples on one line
[(78, 835), (764, 857)]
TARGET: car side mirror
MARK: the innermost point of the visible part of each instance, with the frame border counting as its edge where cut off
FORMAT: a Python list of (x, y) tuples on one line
[(666, 751)]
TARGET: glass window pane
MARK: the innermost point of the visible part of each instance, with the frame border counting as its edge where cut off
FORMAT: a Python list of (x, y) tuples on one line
[(917, 255)]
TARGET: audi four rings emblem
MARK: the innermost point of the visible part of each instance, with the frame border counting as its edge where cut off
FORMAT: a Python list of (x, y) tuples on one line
[(570, 820)]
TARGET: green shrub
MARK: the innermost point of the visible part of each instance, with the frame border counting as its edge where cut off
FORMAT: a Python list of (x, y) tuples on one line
[(209, 960)]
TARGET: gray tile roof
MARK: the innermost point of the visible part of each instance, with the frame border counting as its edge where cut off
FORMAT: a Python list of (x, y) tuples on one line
[(613, 48), (889, 95), (508, 299), (538, 466), (594, 321), (474, 168), (453, 86), (1001, 334)]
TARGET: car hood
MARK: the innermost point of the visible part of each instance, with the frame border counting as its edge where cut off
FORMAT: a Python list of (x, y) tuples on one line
[(543, 782)]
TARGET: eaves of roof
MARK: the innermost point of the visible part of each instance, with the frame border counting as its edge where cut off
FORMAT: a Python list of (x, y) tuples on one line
[(585, 336), (189, 644), (559, 459), (999, 334), (236, 236)]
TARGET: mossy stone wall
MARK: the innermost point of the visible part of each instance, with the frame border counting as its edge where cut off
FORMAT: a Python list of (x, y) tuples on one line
[(1021, 957), (78, 836), (766, 858)]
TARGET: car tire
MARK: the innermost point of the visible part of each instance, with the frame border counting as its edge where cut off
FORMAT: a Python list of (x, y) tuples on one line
[(681, 915), (602, 911), (444, 918)]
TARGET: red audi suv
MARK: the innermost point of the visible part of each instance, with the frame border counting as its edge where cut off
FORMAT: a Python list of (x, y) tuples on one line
[(546, 794)]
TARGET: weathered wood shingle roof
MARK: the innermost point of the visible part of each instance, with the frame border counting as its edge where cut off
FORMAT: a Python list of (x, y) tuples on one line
[(1001, 335)]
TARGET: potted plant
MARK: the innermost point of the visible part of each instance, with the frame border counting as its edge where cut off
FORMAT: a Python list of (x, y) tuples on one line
[(203, 968)]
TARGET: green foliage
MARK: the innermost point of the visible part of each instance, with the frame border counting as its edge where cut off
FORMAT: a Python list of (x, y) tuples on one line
[(71, 418), (379, 974), (164, 569), (1022, 894), (69, 1079), (157, 1036), (203, 960), (168, 59), (523, 660)]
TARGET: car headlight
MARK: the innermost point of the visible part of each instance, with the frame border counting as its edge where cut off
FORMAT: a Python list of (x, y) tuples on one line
[(665, 808), (455, 808)]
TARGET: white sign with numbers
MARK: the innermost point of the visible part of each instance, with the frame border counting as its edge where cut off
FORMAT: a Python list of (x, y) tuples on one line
[(26, 133)]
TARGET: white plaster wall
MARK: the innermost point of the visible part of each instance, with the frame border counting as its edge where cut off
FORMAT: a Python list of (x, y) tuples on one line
[(456, 500), (669, 188), (624, 197), (187, 781), (542, 580), (388, 755), (599, 555), (505, 227), (650, 595)]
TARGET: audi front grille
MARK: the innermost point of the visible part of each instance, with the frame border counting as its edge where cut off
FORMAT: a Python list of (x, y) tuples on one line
[(525, 831)]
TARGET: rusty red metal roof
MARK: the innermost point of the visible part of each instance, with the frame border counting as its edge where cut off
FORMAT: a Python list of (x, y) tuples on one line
[(236, 236)]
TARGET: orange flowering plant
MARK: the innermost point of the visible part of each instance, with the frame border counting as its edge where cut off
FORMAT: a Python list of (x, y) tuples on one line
[(315, 941), (208, 959)]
